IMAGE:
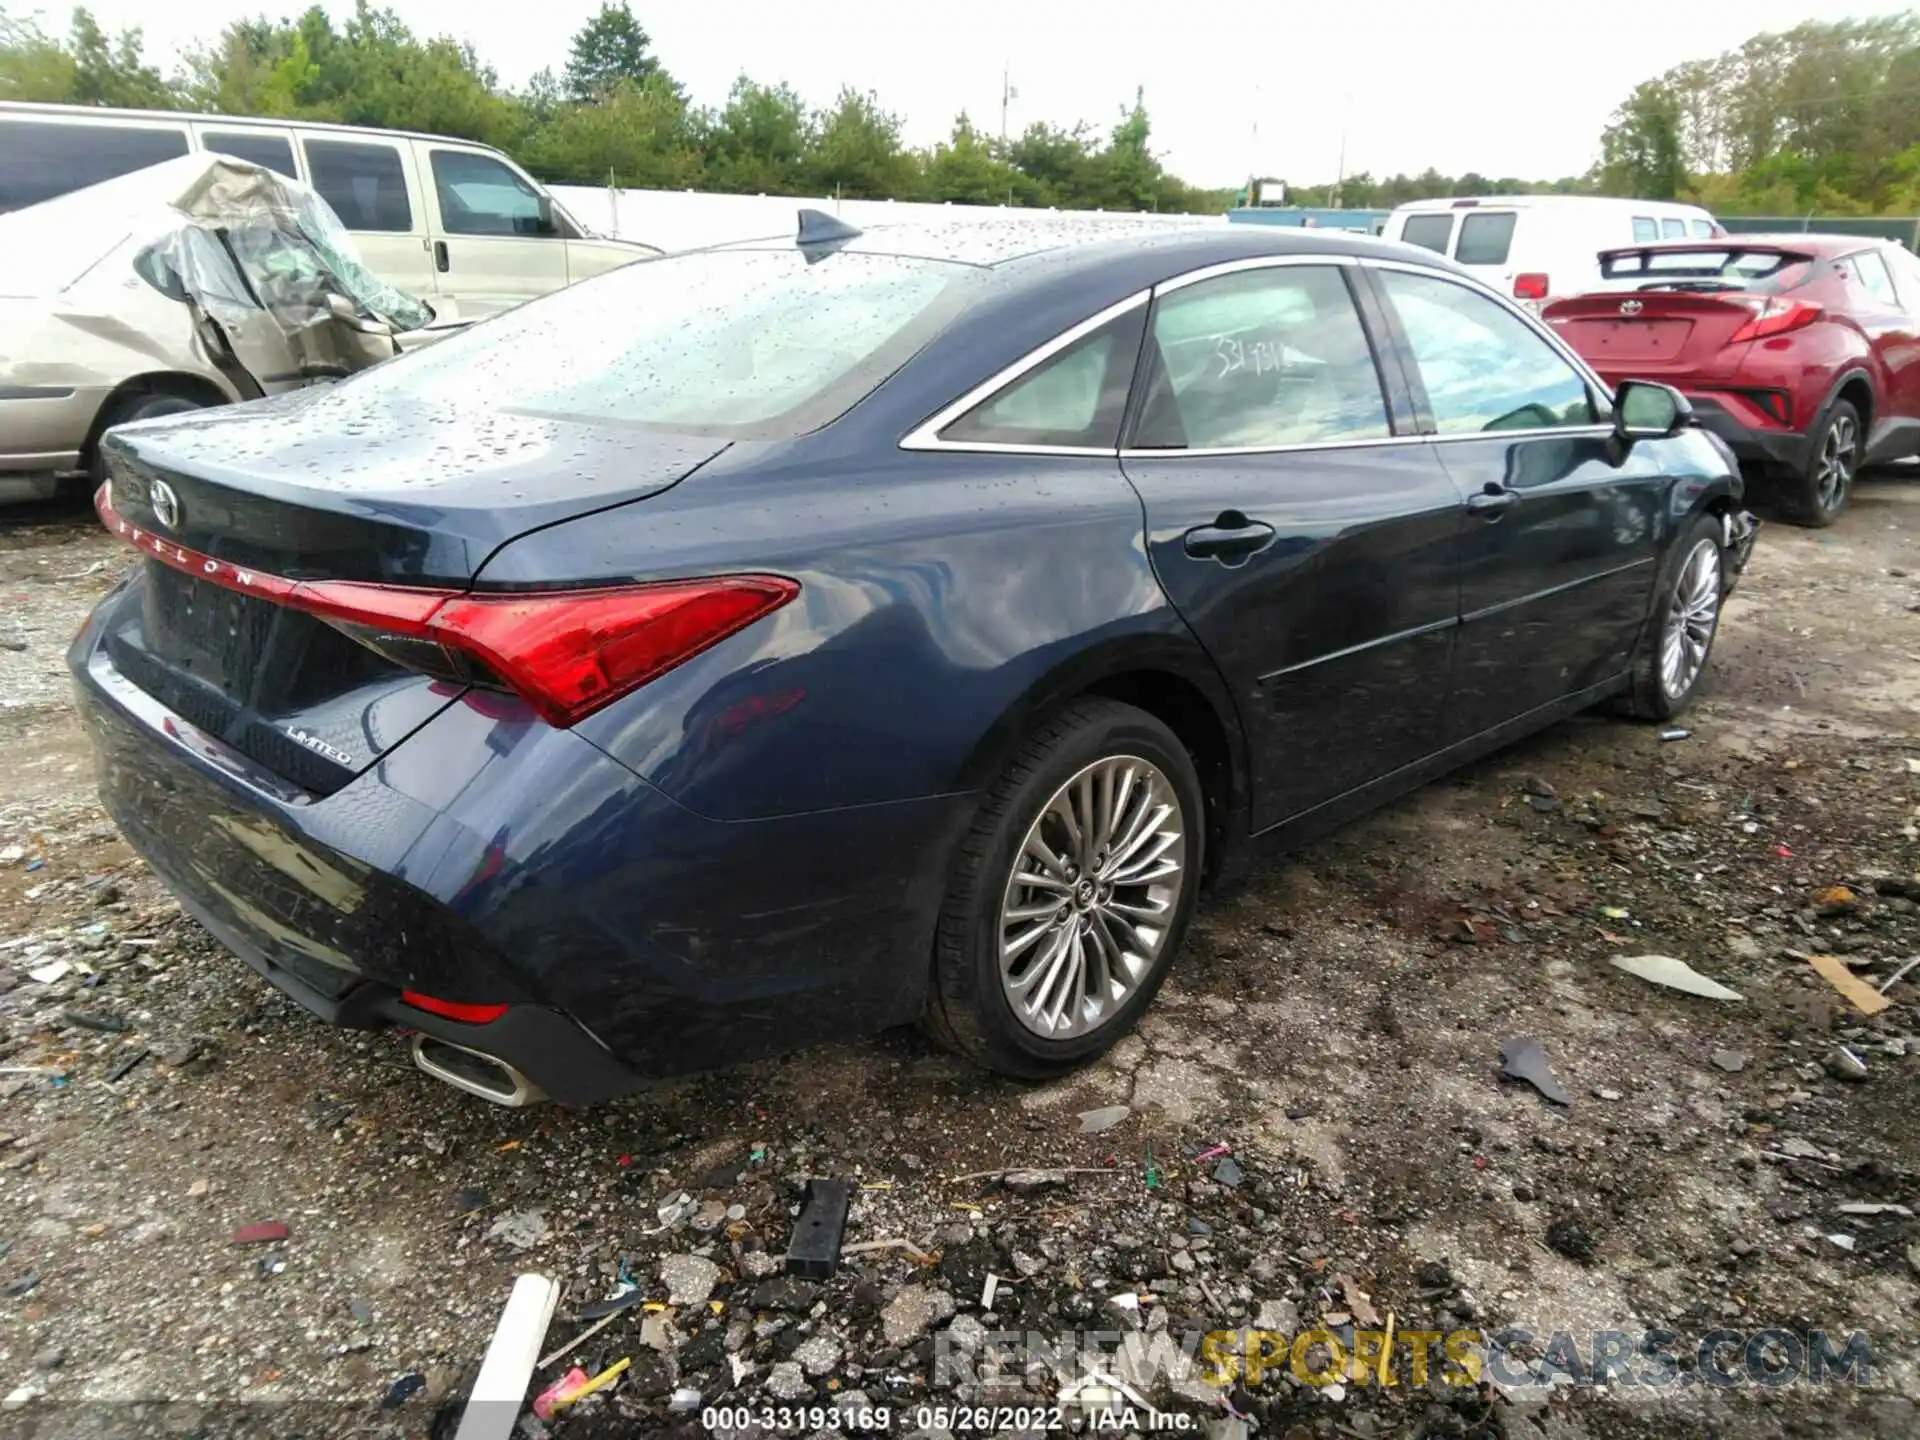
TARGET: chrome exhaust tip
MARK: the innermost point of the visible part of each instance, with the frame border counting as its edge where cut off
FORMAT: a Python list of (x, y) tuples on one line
[(474, 1071)]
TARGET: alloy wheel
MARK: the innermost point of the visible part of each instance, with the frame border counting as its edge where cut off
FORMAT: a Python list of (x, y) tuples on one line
[(1095, 887), (1692, 615), (1833, 466)]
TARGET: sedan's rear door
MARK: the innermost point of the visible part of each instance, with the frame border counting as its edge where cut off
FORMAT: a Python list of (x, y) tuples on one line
[(1309, 544)]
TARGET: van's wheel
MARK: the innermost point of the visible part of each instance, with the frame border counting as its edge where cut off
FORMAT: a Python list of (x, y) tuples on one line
[(1816, 496), (137, 406), (1673, 653), (1071, 893)]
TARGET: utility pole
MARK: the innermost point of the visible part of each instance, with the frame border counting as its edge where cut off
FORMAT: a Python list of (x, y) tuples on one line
[(1007, 93), (1340, 170)]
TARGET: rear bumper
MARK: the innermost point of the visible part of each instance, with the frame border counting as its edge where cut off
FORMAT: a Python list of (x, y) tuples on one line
[(1754, 443), (489, 859)]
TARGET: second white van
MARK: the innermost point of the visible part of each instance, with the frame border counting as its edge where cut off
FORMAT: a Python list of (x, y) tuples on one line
[(457, 224), (1539, 247)]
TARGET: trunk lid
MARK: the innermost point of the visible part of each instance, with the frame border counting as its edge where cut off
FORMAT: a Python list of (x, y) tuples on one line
[(1655, 332), (231, 509)]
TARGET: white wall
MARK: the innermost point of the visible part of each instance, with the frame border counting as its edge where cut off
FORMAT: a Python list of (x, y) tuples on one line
[(686, 219)]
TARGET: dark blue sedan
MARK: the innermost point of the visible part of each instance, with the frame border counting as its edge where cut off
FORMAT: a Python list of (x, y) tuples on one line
[(802, 637)]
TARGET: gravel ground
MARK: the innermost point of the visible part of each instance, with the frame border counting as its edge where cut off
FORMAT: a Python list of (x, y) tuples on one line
[(1336, 1024)]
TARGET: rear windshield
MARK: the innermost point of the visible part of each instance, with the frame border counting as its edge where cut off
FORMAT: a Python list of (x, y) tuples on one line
[(1708, 267), (751, 344)]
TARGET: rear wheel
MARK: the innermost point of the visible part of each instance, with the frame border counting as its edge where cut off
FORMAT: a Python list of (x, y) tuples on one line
[(1673, 654), (1071, 895), (137, 406), (1817, 495)]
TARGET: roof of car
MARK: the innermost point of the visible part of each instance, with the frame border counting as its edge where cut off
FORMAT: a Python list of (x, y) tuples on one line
[(1467, 202), (1100, 237)]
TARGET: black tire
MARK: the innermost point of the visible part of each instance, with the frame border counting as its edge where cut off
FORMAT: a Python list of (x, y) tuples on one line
[(967, 1007), (1816, 496), (1650, 698), (137, 406)]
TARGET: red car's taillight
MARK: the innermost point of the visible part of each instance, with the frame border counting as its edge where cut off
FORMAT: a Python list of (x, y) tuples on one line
[(1530, 287), (566, 652), (1775, 315)]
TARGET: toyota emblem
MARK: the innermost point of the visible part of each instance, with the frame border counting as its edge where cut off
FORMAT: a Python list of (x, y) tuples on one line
[(166, 504), (1630, 307)]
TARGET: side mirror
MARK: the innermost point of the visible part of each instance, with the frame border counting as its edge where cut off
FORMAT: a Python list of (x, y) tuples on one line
[(546, 215), (1644, 408)]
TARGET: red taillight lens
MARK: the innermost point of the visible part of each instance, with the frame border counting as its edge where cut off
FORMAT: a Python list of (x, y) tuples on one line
[(566, 652), (1530, 287), (454, 1009), (1774, 315), (570, 653)]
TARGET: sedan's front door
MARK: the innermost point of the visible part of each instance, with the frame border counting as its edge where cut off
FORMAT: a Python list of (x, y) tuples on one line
[(1310, 548), (1557, 556)]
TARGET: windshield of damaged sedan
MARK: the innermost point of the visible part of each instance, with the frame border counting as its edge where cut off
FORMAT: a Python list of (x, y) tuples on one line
[(754, 344)]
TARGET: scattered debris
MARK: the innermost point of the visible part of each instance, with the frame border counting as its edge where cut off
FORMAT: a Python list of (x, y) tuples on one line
[(1843, 1064), (522, 1229), (126, 1066), (1571, 1239), (689, 1278), (1869, 1208), (50, 973), (1668, 736), (402, 1390), (104, 1021), (1862, 996), (1523, 1059), (1674, 974), (814, 1250), (1094, 1122), (1229, 1173), (1032, 1182), (264, 1233), (1731, 1061)]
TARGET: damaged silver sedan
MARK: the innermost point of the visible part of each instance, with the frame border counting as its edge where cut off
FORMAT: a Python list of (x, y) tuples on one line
[(202, 281)]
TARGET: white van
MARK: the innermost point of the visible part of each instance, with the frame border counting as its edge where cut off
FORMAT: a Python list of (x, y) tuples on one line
[(456, 224), (1539, 247)]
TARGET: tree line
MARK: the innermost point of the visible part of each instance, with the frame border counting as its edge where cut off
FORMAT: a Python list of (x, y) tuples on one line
[(1820, 119), (615, 114)]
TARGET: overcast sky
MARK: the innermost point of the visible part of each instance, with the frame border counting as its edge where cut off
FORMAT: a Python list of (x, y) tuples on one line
[(1505, 87)]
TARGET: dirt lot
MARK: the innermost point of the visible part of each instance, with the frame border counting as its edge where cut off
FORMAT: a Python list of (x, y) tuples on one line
[(1337, 1022)]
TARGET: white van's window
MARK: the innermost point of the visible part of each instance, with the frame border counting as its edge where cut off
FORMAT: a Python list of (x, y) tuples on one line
[(38, 161), (273, 151), (1430, 232), (1644, 228), (1485, 238), (1673, 229), (480, 196), (1702, 229), (364, 184)]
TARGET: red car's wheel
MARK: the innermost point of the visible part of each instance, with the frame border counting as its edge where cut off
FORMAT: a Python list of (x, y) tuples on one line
[(1818, 494)]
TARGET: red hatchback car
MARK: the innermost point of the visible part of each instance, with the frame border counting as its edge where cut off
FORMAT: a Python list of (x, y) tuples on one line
[(1801, 351)]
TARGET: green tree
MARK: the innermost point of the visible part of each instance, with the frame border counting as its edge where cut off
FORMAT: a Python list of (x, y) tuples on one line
[(967, 169), (609, 48), (32, 65), (1058, 163), (113, 71), (856, 151), (1640, 149), (758, 144), (635, 134)]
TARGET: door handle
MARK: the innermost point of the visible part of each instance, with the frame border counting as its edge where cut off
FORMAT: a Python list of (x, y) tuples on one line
[(441, 261), (1232, 539), (1493, 502)]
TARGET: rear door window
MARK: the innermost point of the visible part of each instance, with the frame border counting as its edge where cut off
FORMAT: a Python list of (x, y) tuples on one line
[(273, 151), (1871, 271), (39, 161), (365, 184), (1262, 359), (1429, 232), (1485, 238), (1644, 228), (1074, 399)]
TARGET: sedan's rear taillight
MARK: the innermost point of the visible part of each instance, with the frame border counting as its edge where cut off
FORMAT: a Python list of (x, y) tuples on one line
[(1774, 315), (567, 652)]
